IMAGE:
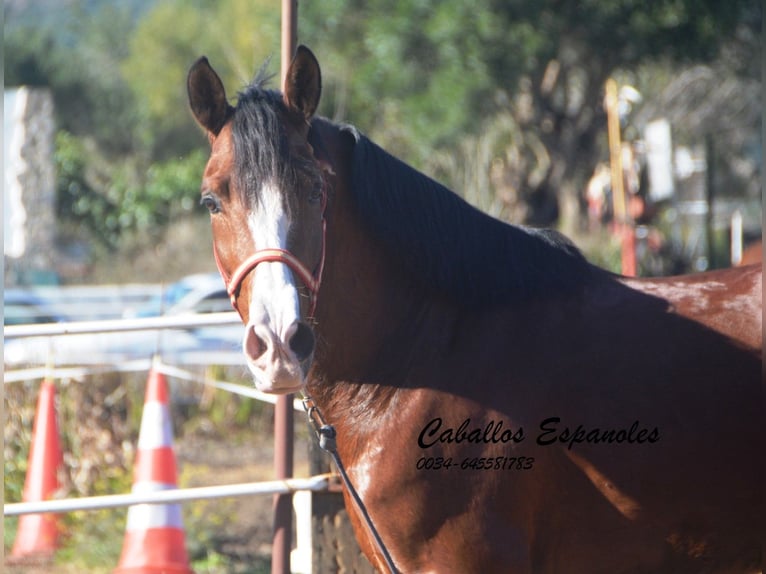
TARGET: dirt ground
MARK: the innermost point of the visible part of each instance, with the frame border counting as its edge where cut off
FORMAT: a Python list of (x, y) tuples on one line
[(245, 535)]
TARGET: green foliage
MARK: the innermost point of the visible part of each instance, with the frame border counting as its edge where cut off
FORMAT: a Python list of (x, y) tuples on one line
[(77, 199), (10, 527), (94, 538), (23, 62), (108, 199), (169, 189), (78, 59), (425, 78), (412, 74), (422, 75), (236, 35), (236, 414), (18, 422)]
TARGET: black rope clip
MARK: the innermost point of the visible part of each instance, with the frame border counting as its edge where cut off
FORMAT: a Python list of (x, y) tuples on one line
[(326, 435)]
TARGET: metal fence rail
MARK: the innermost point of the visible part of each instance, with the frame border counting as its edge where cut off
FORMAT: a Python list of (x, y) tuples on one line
[(142, 365), (286, 486), (121, 325)]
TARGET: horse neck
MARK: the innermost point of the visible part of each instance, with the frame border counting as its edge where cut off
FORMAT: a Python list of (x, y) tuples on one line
[(365, 306), (373, 320)]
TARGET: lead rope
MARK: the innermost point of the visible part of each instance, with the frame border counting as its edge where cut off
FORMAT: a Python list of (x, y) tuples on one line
[(326, 435)]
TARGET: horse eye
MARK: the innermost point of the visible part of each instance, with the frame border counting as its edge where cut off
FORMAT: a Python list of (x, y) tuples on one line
[(210, 202)]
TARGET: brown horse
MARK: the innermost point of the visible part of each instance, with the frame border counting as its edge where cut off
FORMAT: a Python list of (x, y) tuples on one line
[(501, 404)]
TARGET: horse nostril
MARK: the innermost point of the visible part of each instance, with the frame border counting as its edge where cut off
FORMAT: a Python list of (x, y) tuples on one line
[(302, 342), (254, 345)]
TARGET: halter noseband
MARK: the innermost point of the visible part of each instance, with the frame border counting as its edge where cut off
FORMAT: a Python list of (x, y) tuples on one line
[(312, 281)]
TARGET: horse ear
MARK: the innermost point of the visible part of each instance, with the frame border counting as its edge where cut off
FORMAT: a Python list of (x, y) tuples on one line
[(303, 83), (207, 97)]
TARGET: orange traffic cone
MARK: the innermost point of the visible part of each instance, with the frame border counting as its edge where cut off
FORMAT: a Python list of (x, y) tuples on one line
[(37, 534), (154, 537)]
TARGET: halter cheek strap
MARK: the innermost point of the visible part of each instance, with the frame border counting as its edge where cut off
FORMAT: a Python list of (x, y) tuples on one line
[(312, 281)]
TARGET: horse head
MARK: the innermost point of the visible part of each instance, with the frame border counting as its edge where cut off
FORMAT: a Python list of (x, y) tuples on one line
[(266, 193)]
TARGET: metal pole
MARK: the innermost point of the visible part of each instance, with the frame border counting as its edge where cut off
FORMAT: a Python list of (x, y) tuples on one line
[(621, 215), (736, 237), (289, 34), (314, 483), (615, 150), (283, 411), (712, 262), (120, 325), (283, 466)]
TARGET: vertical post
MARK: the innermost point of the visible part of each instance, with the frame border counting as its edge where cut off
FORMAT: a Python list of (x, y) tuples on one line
[(283, 466), (283, 413), (615, 150), (289, 34), (712, 262), (736, 237), (621, 216)]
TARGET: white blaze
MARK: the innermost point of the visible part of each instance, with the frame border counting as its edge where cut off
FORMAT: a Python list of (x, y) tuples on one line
[(274, 300)]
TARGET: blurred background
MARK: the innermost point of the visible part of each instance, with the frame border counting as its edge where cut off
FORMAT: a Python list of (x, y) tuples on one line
[(594, 117), (502, 101)]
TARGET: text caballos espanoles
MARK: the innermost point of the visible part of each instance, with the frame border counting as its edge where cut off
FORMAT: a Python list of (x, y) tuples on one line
[(550, 432)]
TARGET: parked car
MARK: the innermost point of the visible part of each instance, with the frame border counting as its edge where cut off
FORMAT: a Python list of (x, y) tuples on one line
[(196, 294), (21, 308), (199, 293)]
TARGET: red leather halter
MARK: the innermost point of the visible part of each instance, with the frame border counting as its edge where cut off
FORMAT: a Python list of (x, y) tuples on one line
[(312, 281)]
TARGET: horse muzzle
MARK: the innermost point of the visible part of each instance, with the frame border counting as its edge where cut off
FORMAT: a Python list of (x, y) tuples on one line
[(279, 364)]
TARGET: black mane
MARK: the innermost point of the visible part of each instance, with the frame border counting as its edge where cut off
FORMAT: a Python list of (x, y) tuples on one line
[(261, 146), (454, 247)]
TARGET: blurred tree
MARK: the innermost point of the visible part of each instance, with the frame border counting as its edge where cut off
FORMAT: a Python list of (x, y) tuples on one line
[(127, 159), (426, 70), (413, 73), (77, 60), (236, 35), (501, 99), (83, 210), (580, 46), (23, 62)]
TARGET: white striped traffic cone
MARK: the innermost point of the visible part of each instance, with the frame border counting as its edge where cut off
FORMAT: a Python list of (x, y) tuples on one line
[(154, 537), (38, 534)]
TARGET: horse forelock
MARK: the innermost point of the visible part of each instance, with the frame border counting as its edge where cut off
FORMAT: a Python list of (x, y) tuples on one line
[(260, 142), (455, 248)]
